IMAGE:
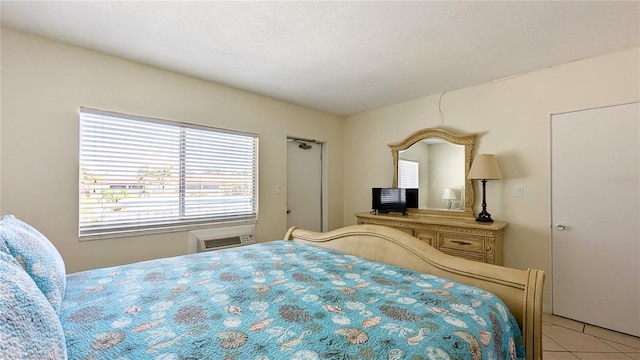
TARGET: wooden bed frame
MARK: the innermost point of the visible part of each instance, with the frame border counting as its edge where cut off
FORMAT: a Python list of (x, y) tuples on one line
[(521, 290)]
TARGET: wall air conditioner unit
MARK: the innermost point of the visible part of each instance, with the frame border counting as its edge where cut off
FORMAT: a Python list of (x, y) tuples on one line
[(221, 238)]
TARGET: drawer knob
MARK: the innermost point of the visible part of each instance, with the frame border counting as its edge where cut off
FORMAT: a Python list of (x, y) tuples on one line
[(461, 242)]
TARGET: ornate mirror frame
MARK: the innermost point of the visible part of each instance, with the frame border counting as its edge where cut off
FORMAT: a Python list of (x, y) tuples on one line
[(468, 140)]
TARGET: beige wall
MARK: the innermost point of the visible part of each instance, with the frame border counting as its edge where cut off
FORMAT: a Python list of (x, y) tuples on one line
[(512, 118), (45, 82)]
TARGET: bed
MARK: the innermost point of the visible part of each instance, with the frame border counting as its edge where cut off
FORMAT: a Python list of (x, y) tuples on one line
[(360, 292)]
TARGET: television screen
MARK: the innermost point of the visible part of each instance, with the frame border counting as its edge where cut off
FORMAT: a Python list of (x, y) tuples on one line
[(384, 200)]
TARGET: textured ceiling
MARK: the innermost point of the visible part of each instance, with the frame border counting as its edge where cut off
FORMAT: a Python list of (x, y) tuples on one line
[(338, 57)]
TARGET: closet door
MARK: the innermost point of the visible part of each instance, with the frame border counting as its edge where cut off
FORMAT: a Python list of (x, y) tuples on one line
[(596, 216)]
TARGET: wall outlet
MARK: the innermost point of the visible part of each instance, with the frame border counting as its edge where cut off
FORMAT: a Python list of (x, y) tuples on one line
[(518, 191)]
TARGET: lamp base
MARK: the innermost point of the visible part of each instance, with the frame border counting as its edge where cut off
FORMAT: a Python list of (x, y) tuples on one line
[(484, 217)]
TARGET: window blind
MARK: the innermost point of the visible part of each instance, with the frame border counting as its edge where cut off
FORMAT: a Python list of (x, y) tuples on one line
[(139, 174), (408, 171)]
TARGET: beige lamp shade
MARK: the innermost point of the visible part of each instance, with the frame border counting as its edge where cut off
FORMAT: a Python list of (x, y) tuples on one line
[(485, 167), (449, 194)]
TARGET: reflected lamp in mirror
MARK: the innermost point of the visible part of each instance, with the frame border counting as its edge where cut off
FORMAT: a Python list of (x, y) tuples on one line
[(449, 195), (484, 167)]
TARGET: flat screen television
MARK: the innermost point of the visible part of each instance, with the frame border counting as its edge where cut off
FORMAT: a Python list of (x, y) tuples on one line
[(386, 200)]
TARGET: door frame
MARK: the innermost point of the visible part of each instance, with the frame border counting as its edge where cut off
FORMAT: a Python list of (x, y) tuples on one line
[(324, 189)]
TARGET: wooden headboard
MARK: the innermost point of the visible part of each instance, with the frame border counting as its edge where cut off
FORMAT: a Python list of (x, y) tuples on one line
[(520, 290)]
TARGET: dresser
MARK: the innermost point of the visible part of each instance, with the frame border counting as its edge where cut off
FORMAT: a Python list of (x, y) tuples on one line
[(464, 238)]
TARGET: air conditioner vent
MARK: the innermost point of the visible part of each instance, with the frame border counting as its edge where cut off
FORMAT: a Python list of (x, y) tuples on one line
[(213, 243), (221, 238)]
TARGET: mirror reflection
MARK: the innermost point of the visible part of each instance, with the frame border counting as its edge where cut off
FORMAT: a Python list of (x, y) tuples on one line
[(436, 167), (437, 163)]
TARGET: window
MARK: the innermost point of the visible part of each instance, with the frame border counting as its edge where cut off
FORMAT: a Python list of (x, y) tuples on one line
[(139, 174), (408, 173)]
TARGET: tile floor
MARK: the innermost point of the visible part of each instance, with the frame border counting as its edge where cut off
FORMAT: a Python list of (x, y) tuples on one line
[(565, 339)]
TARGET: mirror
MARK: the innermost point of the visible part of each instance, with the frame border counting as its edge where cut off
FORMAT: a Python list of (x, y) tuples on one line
[(437, 162)]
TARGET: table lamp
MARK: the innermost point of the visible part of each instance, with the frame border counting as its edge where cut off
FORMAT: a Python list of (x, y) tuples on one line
[(484, 167), (449, 195)]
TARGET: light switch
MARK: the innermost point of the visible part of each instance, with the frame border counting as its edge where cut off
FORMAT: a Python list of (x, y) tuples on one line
[(518, 191)]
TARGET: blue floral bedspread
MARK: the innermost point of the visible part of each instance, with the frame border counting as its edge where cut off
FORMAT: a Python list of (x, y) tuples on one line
[(280, 300)]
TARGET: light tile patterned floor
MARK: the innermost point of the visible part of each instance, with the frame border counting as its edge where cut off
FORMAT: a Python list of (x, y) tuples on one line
[(565, 339)]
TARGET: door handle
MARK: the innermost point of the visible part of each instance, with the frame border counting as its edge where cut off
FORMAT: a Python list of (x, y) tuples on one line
[(560, 227), (461, 242), (288, 211)]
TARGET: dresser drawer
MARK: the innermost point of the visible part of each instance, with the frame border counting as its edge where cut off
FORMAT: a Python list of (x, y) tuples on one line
[(426, 236), (465, 255), (461, 244)]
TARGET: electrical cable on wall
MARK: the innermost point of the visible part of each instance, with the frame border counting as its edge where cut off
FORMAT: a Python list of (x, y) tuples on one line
[(440, 110)]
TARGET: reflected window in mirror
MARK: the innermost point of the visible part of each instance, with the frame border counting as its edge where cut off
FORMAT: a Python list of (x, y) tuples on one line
[(408, 173)]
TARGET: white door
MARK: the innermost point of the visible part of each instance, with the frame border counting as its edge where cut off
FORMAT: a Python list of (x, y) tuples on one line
[(304, 185), (596, 216)]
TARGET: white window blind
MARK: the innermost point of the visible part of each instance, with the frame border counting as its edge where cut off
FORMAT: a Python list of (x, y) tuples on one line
[(139, 174), (408, 171)]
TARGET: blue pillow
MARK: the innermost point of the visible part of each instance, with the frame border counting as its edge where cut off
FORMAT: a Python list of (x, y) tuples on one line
[(38, 257), (29, 327)]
